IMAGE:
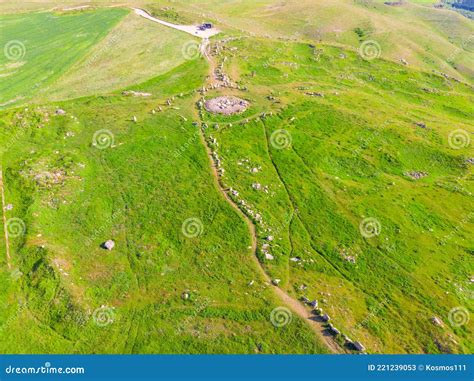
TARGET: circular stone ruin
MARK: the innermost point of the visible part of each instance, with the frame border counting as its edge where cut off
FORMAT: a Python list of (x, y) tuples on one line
[(226, 105)]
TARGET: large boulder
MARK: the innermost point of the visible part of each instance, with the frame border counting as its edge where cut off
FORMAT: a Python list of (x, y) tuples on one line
[(108, 245)]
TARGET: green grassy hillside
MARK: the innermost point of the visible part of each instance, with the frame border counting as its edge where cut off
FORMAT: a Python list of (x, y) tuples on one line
[(39, 48), (424, 36), (328, 163), (137, 49), (139, 193)]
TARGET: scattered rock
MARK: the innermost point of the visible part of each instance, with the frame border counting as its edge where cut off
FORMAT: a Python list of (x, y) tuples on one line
[(437, 321), (325, 318), (358, 346), (276, 281), (333, 330), (314, 94), (269, 256), (317, 311), (420, 124), (416, 175), (394, 3), (108, 245)]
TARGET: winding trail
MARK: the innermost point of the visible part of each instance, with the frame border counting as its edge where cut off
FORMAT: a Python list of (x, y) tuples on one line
[(190, 29), (287, 300), (294, 305), (7, 242)]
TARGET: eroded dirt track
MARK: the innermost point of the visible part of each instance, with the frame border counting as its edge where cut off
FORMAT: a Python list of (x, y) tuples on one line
[(288, 301)]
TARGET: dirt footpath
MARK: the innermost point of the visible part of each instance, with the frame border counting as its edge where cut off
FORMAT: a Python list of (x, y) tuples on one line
[(190, 29)]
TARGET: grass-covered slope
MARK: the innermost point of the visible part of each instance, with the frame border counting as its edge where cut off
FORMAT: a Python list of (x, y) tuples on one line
[(37, 48), (334, 139), (160, 290), (424, 36), (326, 163), (135, 50)]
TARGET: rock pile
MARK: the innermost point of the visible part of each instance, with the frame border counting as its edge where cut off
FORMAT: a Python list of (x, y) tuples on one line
[(416, 175), (226, 105)]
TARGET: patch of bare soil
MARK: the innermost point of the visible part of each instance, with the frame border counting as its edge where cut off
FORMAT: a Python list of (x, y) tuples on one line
[(227, 105)]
